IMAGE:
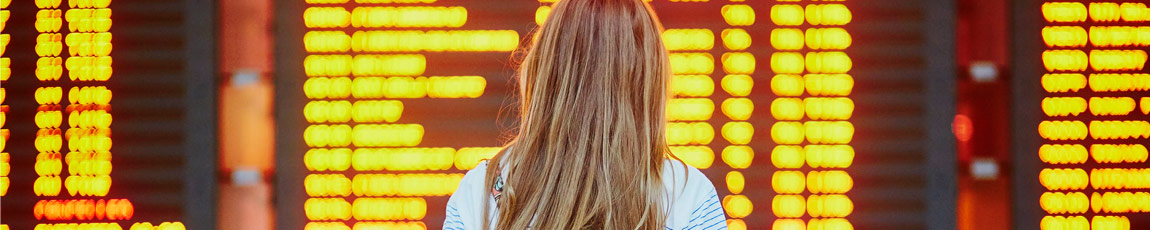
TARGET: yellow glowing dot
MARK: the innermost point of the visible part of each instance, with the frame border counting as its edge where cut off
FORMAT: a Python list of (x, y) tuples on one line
[(738, 156), (689, 109), (738, 63), (828, 38), (1064, 12), (830, 223), (737, 206), (736, 224), (788, 182), (688, 39), (788, 206), (736, 39), (787, 15), (541, 14), (738, 133), (738, 15), (787, 63), (418, 16), (694, 85), (1059, 83), (735, 182), (1065, 60), (828, 14), (787, 109), (692, 63), (787, 156), (829, 182), (828, 62), (829, 206), (738, 109), (787, 39), (696, 156), (736, 85), (1104, 11)]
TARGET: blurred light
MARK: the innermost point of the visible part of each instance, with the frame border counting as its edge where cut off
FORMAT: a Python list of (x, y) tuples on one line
[(1062, 130), (788, 156), (788, 133), (468, 158), (1111, 106), (738, 15), (402, 159), (1063, 106), (828, 38), (737, 206), (1104, 12), (688, 39), (693, 85), (787, 85), (541, 14), (1064, 12), (1107, 130), (738, 63), (787, 15), (738, 109), (788, 206), (1066, 36), (738, 156), (735, 182), (829, 156), (1062, 154), (787, 63), (326, 17), (327, 209), (413, 16), (1064, 203), (435, 41), (828, 14), (689, 109), (830, 224), (829, 108), (837, 205), (1061, 83), (829, 132), (389, 65), (1065, 60), (377, 185), (1117, 178), (829, 84), (736, 39), (692, 63), (696, 156), (1110, 153), (1119, 82), (788, 182), (1063, 179), (1117, 60), (787, 109), (1065, 223), (828, 62), (695, 133), (836, 181), (787, 39), (737, 85)]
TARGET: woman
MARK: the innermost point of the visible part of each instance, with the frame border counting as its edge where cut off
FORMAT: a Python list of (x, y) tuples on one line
[(590, 151)]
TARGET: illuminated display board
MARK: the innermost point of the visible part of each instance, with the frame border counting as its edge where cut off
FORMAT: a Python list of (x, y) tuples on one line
[(1095, 104), (87, 142), (385, 104)]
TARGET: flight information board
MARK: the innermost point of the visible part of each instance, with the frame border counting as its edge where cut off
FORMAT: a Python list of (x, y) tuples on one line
[(401, 97), (1095, 129), (92, 116)]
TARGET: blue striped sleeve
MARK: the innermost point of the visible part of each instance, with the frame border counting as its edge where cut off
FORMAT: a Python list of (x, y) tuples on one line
[(708, 214), (453, 220)]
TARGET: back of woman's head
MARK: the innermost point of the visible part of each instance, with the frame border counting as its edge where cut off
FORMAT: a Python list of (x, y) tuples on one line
[(590, 144)]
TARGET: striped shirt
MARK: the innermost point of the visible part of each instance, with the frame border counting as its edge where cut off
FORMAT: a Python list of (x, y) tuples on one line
[(692, 201)]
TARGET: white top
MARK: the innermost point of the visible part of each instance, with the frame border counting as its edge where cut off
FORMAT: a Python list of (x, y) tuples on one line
[(692, 201)]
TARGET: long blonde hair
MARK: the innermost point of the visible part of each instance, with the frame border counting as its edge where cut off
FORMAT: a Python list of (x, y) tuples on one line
[(590, 145)]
